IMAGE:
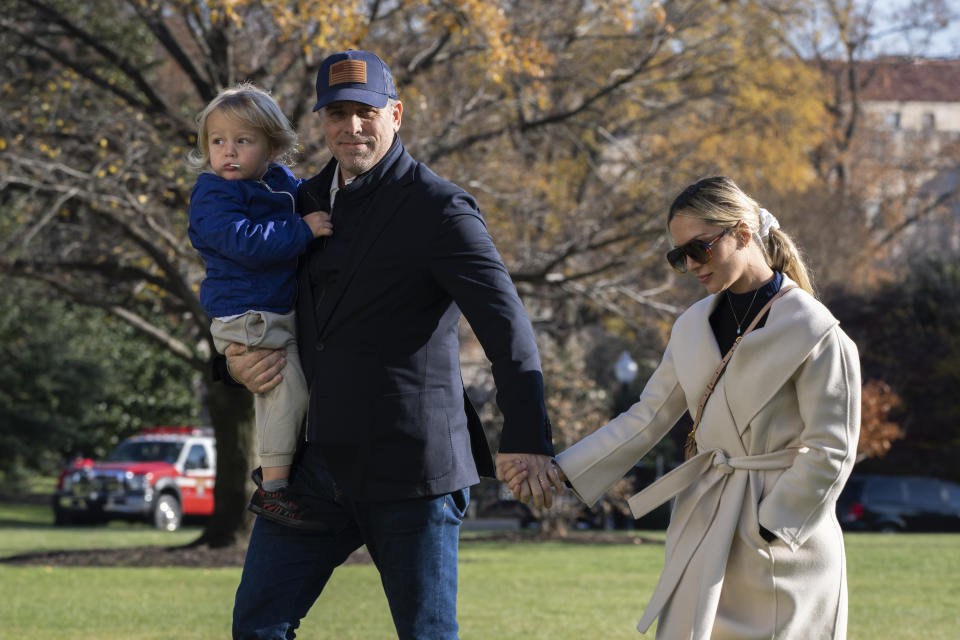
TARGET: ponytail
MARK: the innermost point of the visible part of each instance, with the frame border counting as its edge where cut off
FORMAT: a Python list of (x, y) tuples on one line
[(783, 255)]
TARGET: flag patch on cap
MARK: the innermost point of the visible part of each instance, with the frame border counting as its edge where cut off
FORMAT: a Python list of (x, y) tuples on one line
[(348, 71)]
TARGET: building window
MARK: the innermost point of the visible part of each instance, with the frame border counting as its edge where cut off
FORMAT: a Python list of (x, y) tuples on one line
[(892, 119), (929, 121)]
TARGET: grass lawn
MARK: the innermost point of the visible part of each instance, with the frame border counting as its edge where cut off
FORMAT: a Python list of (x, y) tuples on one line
[(901, 586)]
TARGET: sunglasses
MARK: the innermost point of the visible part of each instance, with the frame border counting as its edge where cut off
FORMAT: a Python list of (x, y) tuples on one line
[(696, 249)]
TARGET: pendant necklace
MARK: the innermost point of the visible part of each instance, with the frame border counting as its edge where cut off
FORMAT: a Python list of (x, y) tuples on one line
[(746, 313)]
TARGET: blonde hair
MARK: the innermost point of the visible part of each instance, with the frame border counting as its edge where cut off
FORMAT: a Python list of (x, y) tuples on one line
[(719, 201), (253, 107)]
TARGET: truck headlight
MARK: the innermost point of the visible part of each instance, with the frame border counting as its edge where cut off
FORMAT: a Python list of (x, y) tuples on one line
[(138, 481)]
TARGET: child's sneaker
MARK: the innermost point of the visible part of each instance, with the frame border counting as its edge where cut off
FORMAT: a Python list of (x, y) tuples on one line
[(282, 506)]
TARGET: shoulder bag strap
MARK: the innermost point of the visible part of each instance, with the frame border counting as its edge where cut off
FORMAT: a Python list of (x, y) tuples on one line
[(690, 448)]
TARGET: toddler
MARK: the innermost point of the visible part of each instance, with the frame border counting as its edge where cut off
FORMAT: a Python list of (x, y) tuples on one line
[(244, 223)]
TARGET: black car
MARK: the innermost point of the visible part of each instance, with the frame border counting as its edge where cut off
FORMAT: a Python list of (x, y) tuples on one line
[(899, 503)]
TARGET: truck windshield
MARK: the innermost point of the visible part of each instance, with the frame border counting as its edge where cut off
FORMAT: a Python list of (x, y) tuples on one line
[(146, 451)]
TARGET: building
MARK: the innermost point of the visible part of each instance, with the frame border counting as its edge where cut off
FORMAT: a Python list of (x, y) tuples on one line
[(912, 116), (912, 94)]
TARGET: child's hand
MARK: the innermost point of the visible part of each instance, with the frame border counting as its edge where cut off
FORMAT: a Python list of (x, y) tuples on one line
[(319, 222)]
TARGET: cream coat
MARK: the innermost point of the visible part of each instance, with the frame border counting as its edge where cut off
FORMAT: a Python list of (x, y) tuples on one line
[(776, 443)]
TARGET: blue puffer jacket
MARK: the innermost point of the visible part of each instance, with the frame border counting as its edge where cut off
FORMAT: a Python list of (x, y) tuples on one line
[(250, 235)]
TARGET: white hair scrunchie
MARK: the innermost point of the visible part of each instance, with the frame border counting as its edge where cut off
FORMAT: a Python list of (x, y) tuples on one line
[(767, 222)]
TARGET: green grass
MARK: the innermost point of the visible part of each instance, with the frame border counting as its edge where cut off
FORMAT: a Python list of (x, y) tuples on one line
[(29, 528), (902, 586)]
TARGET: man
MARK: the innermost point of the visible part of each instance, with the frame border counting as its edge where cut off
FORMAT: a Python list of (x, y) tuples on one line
[(391, 443)]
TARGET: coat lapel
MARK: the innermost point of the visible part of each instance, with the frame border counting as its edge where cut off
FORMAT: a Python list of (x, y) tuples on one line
[(695, 350), (384, 207), (387, 200), (796, 324)]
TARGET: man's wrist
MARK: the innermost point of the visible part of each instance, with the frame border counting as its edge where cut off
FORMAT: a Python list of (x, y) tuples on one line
[(221, 373)]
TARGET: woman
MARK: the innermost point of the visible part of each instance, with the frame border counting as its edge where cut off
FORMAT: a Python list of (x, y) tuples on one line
[(753, 549)]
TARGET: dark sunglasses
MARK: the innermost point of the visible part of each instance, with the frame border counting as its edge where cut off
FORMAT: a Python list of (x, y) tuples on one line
[(696, 249)]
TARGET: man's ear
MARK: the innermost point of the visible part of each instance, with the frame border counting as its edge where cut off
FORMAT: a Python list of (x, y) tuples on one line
[(397, 115)]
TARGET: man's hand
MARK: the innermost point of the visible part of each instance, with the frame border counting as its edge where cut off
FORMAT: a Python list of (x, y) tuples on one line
[(257, 370), (530, 476)]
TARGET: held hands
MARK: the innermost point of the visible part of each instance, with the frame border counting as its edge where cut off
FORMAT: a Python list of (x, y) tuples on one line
[(257, 370), (531, 477), (319, 223)]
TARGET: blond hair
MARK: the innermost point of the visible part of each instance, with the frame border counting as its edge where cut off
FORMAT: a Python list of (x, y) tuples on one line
[(252, 107), (719, 201)]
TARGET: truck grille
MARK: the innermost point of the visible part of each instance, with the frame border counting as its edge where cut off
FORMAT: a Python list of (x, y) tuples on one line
[(101, 482)]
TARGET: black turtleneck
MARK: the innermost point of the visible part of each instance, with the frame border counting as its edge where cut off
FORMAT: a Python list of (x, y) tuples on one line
[(742, 307)]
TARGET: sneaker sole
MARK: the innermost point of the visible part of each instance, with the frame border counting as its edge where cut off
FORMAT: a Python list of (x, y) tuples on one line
[(293, 523)]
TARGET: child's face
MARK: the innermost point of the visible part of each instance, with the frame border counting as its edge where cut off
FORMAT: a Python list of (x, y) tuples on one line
[(237, 151)]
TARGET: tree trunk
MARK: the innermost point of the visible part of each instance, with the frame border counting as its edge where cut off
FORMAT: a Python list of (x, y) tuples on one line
[(554, 523), (231, 413)]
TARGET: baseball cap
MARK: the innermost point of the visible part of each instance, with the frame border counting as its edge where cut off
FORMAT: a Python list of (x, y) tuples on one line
[(359, 76)]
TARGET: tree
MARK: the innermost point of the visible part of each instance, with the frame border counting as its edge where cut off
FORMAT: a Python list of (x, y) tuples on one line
[(908, 334), (60, 394), (95, 190), (573, 122), (876, 184), (877, 432)]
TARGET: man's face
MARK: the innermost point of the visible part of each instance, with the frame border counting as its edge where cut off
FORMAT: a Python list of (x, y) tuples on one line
[(359, 135)]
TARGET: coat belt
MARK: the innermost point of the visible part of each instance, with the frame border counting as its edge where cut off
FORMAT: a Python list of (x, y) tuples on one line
[(671, 484), (713, 468)]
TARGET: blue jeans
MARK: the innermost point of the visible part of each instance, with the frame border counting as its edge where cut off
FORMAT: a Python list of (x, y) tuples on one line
[(412, 542)]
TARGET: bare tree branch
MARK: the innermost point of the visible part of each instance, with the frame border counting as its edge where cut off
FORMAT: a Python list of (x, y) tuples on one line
[(154, 21)]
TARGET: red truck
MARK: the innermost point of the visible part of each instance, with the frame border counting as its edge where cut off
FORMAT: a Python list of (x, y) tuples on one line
[(159, 475)]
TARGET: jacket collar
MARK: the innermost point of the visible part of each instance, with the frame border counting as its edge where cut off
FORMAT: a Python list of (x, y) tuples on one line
[(368, 181), (276, 173), (381, 183)]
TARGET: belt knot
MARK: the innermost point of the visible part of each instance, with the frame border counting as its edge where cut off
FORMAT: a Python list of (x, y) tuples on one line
[(721, 463)]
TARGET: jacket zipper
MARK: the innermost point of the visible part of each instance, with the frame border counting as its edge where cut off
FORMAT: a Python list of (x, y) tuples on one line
[(293, 201)]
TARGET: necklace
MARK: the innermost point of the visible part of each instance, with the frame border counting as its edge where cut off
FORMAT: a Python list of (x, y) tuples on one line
[(746, 313)]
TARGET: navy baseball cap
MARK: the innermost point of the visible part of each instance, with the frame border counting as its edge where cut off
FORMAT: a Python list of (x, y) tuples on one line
[(359, 76)]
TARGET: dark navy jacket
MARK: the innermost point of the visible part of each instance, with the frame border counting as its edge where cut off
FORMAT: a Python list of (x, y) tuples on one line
[(378, 308), (250, 237)]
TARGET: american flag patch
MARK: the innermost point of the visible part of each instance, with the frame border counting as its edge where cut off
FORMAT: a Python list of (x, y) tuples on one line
[(348, 71)]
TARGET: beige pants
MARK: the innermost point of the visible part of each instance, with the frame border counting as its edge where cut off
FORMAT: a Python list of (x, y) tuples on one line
[(280, 411)]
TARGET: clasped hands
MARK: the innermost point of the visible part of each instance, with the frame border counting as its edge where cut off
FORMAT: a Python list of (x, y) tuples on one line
[(531, 477)]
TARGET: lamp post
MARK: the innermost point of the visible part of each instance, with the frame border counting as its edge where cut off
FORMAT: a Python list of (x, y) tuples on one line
[(625, 370)]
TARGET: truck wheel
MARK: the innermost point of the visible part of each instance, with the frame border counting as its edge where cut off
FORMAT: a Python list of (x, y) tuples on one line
[(61, 518), (167, 513)]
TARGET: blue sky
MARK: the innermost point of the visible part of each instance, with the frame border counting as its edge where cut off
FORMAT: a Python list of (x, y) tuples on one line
[(945, 43)]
